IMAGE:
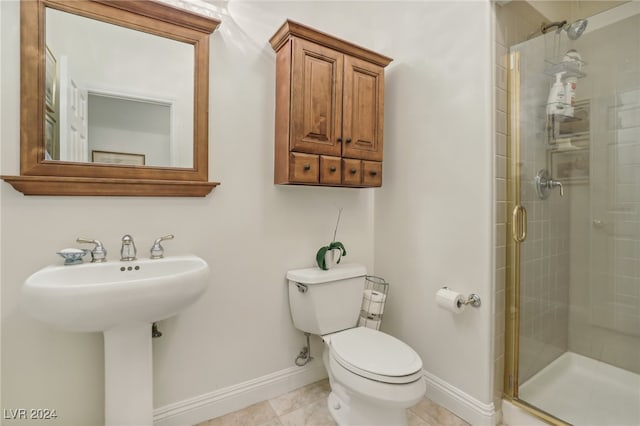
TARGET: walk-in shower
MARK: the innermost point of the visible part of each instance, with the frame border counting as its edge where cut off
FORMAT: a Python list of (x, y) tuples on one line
[(573, 314)]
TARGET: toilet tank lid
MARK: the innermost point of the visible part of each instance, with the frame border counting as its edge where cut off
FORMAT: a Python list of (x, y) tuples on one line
[(318, 276)]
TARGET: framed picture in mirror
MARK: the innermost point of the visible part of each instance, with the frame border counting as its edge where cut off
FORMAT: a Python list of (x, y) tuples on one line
[(122, 158)]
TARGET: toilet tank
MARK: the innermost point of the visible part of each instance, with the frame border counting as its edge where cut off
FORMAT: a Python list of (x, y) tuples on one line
[(323, 302)]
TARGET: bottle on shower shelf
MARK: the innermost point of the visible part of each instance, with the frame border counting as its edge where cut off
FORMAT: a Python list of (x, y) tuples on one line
[(570, 95), (571, 82), (556, 100)]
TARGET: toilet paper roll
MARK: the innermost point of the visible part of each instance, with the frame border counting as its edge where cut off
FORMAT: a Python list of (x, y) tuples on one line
[(373, 302), (368, 322), (450, 300)]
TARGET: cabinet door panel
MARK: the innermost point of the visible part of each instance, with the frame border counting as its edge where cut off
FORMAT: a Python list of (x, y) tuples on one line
[(316, 107), (303, 168), (363, 109)]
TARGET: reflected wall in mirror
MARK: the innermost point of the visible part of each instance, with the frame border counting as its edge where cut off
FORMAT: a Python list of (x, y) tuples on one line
[(124, 77), (119, 90)]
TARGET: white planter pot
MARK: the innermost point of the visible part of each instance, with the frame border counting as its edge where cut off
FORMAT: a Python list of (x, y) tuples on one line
[(332, 257)]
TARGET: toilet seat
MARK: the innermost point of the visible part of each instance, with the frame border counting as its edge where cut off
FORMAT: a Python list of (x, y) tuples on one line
[(375, 355)]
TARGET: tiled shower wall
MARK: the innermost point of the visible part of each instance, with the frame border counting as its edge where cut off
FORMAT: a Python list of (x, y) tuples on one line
[(605, 272)]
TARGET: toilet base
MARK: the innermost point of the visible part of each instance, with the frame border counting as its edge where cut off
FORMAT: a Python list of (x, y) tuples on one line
[(352, 414), (356, 401)]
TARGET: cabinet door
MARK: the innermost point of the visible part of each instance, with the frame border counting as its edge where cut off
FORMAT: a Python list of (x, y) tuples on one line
[(316, 99), (363, 109)]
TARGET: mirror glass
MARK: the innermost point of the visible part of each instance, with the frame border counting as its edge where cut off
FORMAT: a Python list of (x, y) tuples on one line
[(114, 95)]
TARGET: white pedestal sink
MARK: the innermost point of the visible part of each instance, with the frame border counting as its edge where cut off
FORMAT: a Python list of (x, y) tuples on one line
[(120, 299)]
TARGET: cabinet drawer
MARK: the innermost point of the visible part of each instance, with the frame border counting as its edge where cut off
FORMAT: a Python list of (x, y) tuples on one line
[(351, 171), (330, 170), (372, 173), (303, 168)]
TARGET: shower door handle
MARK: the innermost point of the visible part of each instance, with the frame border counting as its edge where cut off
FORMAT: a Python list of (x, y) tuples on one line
[(519, 224)]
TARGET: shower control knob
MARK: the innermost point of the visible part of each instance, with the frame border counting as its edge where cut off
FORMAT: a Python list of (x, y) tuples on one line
[(544, 184)]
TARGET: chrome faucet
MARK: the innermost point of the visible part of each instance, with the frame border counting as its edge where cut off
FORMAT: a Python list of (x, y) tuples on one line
[(98, 253), (128, 250)]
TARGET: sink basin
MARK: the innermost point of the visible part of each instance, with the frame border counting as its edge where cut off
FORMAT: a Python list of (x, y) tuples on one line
[(120, 299), (101, 296)]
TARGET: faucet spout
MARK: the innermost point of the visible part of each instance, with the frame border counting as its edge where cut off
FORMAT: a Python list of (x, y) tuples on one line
[(128, 250)]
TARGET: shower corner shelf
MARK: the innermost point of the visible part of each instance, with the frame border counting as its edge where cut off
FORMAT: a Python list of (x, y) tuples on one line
[(570, 68), (560, 118)]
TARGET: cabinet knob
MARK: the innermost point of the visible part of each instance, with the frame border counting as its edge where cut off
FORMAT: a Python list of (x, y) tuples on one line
[(307, 167), (339, 139), (373, 173), (353, 171), (348, 140), (332, 169)]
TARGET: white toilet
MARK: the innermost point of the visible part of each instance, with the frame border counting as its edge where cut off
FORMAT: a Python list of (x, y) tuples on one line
[(374, 377)]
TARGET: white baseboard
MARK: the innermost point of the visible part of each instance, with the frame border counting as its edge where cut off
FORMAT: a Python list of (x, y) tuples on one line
[(460, 403), (222, 401)]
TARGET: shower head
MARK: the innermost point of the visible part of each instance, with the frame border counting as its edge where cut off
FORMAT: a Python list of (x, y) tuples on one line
[(573, 30), (576, 29)]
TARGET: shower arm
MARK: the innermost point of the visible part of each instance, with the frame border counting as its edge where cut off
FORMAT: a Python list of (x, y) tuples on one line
[(559, 25)]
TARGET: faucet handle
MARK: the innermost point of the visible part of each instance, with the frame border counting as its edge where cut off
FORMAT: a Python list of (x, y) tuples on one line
[(157, 251), (98, 253)]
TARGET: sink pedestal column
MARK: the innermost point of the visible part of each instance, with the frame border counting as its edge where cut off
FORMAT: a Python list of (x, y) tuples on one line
[(128, 375)]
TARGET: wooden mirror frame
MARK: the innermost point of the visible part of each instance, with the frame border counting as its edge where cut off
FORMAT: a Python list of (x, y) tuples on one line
[(46, 177)]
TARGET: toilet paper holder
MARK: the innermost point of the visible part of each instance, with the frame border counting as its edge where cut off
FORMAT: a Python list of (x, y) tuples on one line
[(473, 299)]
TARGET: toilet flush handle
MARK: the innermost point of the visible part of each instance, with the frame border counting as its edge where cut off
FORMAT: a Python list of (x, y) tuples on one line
[(302, 288)]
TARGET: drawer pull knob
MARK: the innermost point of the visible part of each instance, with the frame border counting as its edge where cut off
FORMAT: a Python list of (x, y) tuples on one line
[(373, 173), (353, 171), (332, 169), (307, 167)]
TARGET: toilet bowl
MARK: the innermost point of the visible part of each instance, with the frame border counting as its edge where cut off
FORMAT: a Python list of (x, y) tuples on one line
[(374, 377)]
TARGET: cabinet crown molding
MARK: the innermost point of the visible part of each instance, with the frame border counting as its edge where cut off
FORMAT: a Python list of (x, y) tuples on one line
[(295, 29)]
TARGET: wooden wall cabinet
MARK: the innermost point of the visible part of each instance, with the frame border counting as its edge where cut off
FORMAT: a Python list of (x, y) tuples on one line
[(329, 109)]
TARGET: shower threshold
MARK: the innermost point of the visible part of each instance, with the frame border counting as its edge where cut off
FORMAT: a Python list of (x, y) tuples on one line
[(584, 392)]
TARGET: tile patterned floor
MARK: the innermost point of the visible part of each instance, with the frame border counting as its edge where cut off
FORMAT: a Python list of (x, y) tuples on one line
[(307, 406)]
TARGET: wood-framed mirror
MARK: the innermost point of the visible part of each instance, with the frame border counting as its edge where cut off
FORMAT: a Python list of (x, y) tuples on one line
[(62, 82)]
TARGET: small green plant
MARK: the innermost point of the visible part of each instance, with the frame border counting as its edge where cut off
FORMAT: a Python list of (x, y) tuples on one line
[(320, 255)]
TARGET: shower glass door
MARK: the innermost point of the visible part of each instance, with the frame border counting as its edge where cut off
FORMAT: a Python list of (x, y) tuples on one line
[(576, 272)]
